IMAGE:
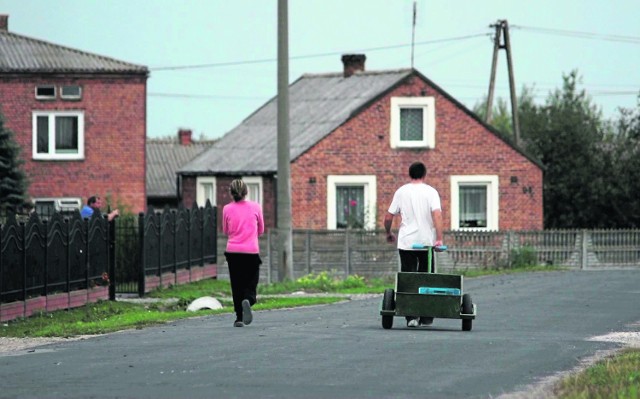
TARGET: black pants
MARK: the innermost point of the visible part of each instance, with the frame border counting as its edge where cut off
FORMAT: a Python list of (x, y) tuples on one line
[(244, 273), (417, 261)]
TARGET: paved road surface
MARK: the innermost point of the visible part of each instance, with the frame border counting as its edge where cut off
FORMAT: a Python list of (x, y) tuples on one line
[(529, 327)]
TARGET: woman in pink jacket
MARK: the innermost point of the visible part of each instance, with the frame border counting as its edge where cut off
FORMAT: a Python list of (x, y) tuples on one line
[(242, 222)]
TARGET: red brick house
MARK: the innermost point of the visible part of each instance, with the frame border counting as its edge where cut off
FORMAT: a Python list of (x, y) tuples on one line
[(353, 136), (80, 119)]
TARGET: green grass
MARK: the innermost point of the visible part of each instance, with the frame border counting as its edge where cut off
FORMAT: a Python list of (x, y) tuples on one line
[(617, 377)]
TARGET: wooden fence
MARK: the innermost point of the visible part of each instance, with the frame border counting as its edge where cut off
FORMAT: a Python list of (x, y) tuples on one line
[(366, 253)]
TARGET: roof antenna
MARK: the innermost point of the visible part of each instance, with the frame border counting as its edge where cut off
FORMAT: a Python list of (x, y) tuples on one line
[(413, 31)]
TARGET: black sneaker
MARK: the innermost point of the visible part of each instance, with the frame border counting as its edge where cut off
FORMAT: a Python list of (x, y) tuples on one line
[(247, 317), (426, 321), (238, 323)]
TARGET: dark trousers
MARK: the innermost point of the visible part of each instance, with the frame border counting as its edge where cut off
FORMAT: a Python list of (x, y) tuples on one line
[(244, 273), (416, 261)]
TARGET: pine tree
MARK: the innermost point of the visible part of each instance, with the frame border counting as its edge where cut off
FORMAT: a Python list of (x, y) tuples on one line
[(13, 180)]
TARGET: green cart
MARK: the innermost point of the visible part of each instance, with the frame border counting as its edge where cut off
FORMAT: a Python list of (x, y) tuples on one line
[(428, 295)]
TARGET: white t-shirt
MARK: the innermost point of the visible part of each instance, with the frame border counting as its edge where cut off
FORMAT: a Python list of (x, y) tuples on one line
[(415, 202)]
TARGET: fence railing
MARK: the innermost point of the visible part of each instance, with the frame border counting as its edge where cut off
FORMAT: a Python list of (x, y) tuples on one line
[(366, 253), (41, 258)]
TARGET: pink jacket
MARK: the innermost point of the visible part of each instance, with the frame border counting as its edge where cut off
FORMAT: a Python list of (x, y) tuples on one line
[(243, 222)]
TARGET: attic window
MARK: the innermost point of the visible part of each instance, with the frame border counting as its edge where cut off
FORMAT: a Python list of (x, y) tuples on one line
[(72, 92), (45, 92), (413, 122)]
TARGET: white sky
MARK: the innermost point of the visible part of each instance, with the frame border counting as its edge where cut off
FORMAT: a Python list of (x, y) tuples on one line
[(549, 38)]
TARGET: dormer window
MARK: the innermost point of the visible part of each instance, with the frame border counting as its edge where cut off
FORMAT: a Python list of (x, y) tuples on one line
[(47, 92), (71, 92), (413, 122)]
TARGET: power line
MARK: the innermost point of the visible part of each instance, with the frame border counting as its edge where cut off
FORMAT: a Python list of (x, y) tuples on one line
[(319, 55), (582, 35)]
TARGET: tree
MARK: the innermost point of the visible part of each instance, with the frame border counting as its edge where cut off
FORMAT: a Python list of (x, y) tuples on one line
[(13, 180), (565, 134)]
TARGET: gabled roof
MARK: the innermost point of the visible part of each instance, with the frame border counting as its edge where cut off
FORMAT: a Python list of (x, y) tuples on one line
[(22, 54), (164, 158), (318, 105)]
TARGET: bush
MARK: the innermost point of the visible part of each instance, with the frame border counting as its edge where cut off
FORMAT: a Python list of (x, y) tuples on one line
[(523, 257)]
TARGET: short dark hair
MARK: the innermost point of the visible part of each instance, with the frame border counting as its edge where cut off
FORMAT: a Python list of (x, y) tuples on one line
[(92, 200), (417, 170)]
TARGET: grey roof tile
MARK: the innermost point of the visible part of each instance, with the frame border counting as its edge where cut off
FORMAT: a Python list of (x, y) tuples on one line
[(22, 54), (164, 158), (318, 105)]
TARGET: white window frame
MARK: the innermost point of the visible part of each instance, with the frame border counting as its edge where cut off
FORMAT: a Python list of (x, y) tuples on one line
[(51, 155), (71, 96), (493, 200), (254, 180), (41, 97), (427, 104), (370, 197), (200, 199)]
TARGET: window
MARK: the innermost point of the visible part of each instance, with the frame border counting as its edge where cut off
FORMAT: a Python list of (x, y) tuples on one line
[(351, 202), (58, 135), (45, 92), (72, 92), (46, 207), (474, 202), (206, 190), (413, 122), (254, 187)]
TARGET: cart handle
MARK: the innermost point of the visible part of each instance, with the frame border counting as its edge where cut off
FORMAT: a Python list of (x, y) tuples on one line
[(439, 248)]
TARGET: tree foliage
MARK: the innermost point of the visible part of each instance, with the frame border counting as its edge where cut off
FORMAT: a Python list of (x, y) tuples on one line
[(592, 167), (13, 180)]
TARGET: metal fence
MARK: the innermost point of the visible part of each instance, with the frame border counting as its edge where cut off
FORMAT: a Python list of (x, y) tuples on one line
[(366, 253), (57, 254)]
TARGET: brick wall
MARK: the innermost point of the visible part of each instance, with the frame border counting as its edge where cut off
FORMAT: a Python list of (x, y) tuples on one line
[(463, 147), (115, 133)]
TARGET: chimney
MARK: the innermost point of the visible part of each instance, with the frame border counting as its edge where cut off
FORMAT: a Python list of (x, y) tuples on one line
[(353, 63), (4, 23), (185, 136)]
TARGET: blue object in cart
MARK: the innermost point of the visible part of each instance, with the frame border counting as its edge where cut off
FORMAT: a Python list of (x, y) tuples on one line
[(438, 291), (422, 246)]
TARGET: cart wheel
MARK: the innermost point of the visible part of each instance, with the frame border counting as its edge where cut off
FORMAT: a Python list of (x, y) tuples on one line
[(467, 308), (388, 303)]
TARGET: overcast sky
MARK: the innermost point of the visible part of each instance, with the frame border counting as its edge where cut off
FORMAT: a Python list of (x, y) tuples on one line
[(213, 62)]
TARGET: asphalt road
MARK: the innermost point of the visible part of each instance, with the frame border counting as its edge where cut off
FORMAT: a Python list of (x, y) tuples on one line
[(529, 327)]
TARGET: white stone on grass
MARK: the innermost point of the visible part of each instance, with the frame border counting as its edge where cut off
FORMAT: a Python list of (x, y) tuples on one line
[(205, 302)]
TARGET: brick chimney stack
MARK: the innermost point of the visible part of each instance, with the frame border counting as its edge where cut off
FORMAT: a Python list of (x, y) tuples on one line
[(353, 63), (4, 23), (185, 136)]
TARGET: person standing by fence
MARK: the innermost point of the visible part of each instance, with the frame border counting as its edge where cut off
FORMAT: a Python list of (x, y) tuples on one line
[(419, 207), (242, 222), (94, 203)]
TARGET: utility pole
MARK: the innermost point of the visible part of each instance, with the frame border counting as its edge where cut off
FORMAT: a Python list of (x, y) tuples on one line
[(284, 240), (413, 31), (502, 31)]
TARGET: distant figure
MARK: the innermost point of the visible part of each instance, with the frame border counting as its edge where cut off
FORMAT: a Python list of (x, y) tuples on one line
[(242, 222), (418, 204), (94, 203)]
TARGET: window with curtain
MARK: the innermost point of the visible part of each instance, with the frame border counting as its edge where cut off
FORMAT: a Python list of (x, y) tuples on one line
[(58, 135), (473, 205), (411, 124), (350, 207)]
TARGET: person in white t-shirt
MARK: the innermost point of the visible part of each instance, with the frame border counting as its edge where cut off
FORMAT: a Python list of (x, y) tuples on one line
[(418, 205)]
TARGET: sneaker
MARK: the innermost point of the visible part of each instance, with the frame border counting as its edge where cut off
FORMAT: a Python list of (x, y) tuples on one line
[(413, 323), (247, 317), (238, 323), (426, 321)]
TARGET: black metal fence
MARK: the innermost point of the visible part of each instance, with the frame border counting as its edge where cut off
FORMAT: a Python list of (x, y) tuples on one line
[(175, 240), (39, 257)]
